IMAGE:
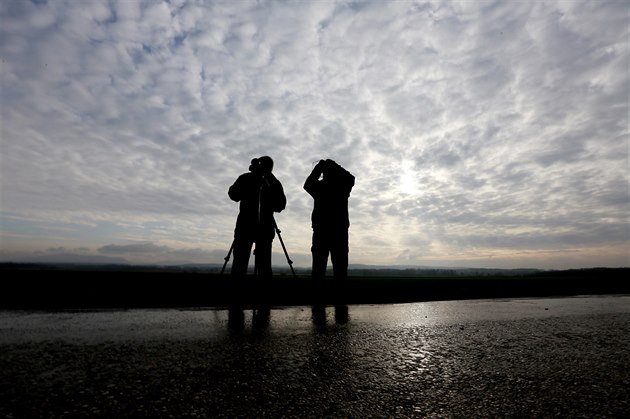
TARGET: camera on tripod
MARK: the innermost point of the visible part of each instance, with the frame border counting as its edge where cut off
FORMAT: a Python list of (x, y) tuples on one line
[(255, 166)]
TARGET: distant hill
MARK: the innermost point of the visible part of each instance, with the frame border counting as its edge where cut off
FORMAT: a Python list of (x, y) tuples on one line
[(119, 264), (71, 258), (104, 263), (411, 270)]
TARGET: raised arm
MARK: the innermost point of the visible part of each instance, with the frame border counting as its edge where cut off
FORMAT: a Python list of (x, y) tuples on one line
[(277, 193), (312, 181), (237, 190)]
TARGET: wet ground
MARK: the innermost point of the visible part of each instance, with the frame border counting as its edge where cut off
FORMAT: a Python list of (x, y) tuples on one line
[(567, 357)]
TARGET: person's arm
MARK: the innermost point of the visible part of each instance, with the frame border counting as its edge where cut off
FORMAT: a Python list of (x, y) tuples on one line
[(344, 178), (348, 180), (277, 193), (312, 181), (236, 190)]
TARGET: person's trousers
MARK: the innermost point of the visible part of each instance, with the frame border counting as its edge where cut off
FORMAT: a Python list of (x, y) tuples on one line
[(262, 255), (335, 243)]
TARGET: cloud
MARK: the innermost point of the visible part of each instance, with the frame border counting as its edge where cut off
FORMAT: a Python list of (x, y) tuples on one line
[(487, 126)]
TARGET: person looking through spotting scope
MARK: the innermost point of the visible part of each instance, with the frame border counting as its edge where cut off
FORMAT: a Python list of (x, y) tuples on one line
[(330, 184), (260, 195)]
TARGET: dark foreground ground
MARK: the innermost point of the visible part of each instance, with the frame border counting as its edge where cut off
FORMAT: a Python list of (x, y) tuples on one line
[(566, 357), (25, 287)]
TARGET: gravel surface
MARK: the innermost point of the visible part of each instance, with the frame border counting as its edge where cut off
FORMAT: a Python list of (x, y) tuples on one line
[(414, 360)]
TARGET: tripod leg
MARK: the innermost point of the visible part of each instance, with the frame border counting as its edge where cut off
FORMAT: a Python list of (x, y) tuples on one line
[(289, 261), (227, 258), (255, 261)]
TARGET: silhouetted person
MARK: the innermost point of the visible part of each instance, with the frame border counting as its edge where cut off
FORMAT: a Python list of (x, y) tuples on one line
[(330, 184), (260, 195)]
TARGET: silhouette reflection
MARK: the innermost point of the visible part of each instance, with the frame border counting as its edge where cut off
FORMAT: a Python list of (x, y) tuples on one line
[(260, 318), (236, 319), (341, 314), (319, 315), (259, 322)]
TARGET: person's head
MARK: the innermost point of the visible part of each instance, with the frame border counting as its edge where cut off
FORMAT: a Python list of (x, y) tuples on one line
[(262, 165), (266, 163)]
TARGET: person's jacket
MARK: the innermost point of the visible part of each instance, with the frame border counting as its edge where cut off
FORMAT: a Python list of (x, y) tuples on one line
[(330, 194), (259, 198)]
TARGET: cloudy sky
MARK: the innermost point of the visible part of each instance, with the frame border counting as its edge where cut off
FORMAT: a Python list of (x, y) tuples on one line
[(483, 134)]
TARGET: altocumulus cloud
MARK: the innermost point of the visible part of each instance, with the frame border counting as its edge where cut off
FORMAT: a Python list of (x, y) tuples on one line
[(489, 134)]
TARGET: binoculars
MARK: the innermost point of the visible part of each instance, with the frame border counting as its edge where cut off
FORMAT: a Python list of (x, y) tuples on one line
[(255, 166)]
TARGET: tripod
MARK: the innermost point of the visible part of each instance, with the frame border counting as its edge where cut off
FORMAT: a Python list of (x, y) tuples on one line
[(286, 254)]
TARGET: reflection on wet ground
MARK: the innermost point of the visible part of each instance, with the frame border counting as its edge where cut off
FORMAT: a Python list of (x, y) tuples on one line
[(207, 323), (532, 357)]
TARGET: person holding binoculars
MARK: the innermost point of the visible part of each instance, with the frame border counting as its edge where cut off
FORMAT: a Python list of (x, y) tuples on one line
[(330, 184)]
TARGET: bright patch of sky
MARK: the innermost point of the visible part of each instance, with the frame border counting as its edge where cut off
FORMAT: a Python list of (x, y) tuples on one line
[(489, 134)]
